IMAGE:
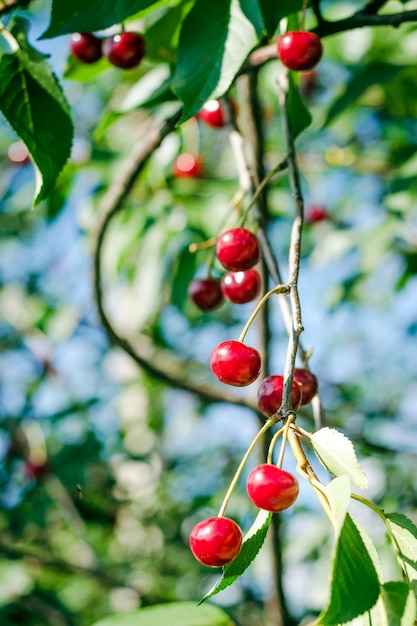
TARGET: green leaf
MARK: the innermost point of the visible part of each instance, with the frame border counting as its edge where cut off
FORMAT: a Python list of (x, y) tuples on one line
[(162, 35), (300, 117), (337, 454), (252, 11), (274, 11), (215, 40), (153, 88), (362, 79), (78, 15), (33, 103), (174, 614), (399, 602), (338, 492), (252, 543), (183, 273), (354, 581), (84, 72), (405, 534)]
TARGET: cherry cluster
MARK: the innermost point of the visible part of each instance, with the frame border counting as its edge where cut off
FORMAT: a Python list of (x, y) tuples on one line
[(238, 251), (125, 50), (217, 541)]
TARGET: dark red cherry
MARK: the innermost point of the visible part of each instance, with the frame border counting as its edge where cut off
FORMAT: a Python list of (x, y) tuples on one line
[(270, 395), (316, 213), (241, 287), (125, 50), (238, 249), (234, 363), (271, 488), (216, 541), (308, 383), (299, 50), (86, 47), (206, 293)]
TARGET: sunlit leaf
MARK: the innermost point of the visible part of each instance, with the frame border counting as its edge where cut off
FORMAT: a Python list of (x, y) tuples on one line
[(399, 602), (337, 454), (405, 534)]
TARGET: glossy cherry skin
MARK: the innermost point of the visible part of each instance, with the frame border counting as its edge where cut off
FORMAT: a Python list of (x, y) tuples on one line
[(212, 114), (216, 541), (187, 165), (270, 395), (241, 287), (86, 47), (125, 50), (206, 293), (238, 249), (234, 363), (299, 50), (271, 488), (308, 383)]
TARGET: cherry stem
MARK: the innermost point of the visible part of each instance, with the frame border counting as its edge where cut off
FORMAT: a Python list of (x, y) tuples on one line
[(239, 470), (306, 471), (288, 423), (273, 443), (277, 169), (276, 290), (383, 517), (303, 15)]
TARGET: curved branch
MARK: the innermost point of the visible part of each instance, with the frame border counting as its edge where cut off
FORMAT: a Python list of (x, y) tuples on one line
[(159, 364), (361, 19)]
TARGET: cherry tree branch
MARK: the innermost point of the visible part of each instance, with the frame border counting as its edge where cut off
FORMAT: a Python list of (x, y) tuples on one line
[(325, 28), (160, 364)]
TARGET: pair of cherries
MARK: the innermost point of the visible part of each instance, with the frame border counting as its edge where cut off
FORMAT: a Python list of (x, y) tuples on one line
[(238, 251), (125, 50), (217, 541)]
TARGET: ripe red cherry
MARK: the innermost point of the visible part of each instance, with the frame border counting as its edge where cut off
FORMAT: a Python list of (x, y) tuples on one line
[(86, 47), (270, 395), (212, 114), (187, 165), (299, 50), (234, 363), (271, 488), (125, 50), (238, 249), (308, 383), (206, 293), (216, 541), (316, 213), (241, 287)]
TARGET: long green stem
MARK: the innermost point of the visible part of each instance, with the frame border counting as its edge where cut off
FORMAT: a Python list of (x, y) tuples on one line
[(277, 169), (289, 421), (276, 290), (239, 470)]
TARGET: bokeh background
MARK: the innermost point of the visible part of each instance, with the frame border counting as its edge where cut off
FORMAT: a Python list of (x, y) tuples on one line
[(103, 469)]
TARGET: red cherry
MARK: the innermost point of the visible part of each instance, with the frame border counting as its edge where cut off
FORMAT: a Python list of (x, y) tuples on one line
[(316, 213), (125, 50), (238, 249), (241, 287), (234, 363), (270, 395), (206, 293), (18, 154), (36, 469), (187, 166), (271, 488), (212, 114), (299, 50), (308, 383), (216, 541), (86, 47)]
